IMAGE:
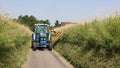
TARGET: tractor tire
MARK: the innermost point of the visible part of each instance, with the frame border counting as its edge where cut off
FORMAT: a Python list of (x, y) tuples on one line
[(50, 49), (34, 46), (50, 46), (31, 45)]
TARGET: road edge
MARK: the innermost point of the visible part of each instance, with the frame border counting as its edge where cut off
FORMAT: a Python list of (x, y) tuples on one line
[(62, 59)]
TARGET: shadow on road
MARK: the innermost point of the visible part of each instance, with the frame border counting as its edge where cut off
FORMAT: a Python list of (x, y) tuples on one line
[(41, 49)]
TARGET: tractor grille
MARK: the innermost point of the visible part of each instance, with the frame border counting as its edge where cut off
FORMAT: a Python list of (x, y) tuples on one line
[(41, 38)]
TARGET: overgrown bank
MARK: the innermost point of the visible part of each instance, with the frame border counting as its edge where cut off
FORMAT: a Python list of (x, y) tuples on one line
[(14, 43), (93, 45)]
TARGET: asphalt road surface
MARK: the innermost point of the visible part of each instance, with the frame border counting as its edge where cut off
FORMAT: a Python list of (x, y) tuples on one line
[(45, 59)]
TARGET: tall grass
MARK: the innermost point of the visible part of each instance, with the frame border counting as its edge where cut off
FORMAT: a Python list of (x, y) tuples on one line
[(92, 45), (14, 43)]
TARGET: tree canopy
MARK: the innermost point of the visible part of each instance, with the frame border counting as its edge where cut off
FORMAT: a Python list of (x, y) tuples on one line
[(31, 20), (57, 24)]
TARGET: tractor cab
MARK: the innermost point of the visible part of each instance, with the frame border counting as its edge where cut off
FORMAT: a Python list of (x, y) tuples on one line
[(41, 37), (41, 28)]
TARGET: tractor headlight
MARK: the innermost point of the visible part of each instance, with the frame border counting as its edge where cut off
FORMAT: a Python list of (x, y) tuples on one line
[(42, 38)]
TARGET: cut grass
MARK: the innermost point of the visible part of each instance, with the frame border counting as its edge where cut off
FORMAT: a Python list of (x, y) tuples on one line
[(92, 45), (14, 43)]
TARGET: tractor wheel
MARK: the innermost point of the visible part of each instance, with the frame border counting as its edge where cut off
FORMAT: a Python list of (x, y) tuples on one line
[(31, 44), (50, 46), (34, 46)]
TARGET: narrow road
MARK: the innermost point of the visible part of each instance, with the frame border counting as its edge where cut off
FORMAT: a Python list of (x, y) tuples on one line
[(46, 59)]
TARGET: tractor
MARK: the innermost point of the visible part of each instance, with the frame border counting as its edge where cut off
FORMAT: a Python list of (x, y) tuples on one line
[(41, 37)]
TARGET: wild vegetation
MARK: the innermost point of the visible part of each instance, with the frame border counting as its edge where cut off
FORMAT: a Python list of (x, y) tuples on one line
[(14, 43), (95, 44)]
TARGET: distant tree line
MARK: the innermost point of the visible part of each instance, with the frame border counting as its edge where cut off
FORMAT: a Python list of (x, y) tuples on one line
[(29, 21)]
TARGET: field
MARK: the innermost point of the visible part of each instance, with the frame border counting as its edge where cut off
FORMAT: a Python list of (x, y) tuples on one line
[(14, 43), (95, 44)]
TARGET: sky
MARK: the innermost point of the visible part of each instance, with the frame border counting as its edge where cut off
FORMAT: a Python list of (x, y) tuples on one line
[(61, 10)]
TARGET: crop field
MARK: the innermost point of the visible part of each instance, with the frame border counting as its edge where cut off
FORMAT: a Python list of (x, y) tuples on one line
[(93, 44)]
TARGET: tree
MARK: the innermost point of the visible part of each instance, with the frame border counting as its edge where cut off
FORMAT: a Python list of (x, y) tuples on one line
[(30, 21), (57, 24), (47, 22), (44, 21)]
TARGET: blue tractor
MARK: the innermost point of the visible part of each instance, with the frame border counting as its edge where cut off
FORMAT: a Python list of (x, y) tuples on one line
[(41, 37)]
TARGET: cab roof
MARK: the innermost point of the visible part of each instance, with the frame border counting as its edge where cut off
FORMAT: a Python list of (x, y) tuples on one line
[(41, 24)]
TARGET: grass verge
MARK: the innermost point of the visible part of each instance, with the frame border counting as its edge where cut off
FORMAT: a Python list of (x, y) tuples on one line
[(14, 43), (93, 45)]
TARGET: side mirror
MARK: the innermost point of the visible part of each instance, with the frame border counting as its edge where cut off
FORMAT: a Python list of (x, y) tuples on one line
[(53, 31)]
